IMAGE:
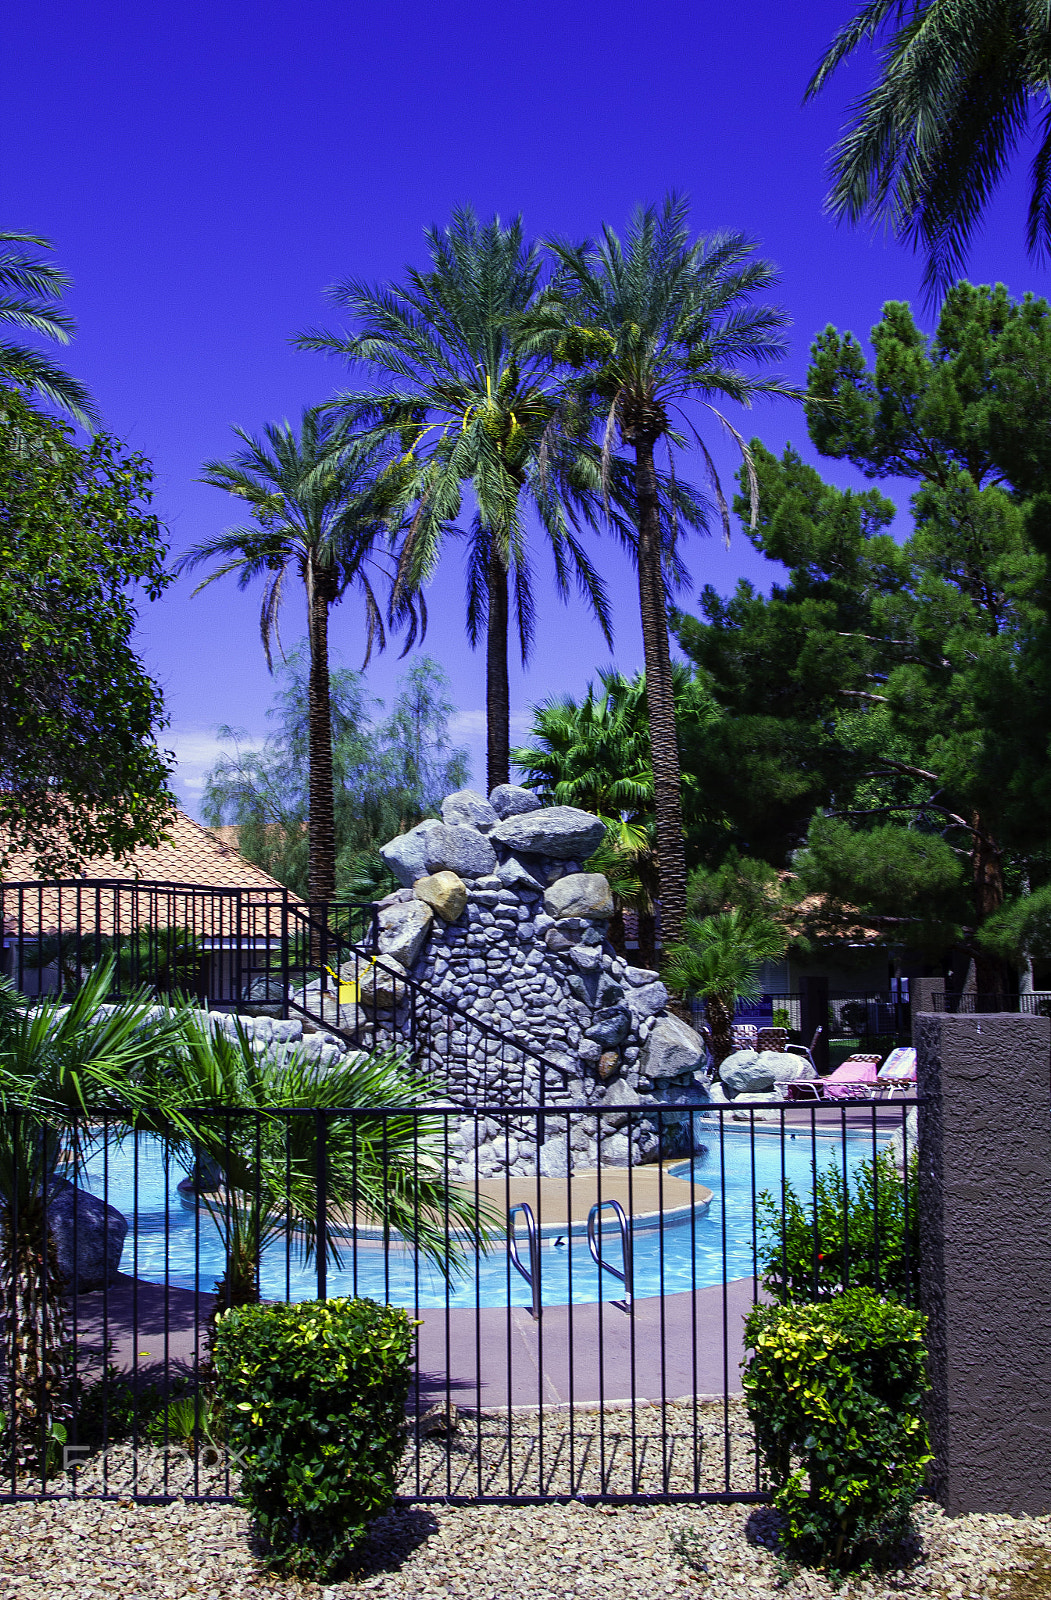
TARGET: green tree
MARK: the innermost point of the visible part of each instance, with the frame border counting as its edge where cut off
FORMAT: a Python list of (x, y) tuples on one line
[(648, 324), (910, 678), (387, 776), (80, 772), (720, 958), (321, 510), (961, 85), (466, 403), (30, 290), (595, 754)]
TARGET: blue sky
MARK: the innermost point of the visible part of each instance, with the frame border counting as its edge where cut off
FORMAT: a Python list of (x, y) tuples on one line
[(206, 170)]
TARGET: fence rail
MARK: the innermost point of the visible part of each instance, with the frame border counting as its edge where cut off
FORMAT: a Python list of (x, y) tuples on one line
[(608, 1370), (1037, 1003)]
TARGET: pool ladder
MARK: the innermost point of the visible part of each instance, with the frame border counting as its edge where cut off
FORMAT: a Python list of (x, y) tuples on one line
[(627, 1277), (531, 1274)]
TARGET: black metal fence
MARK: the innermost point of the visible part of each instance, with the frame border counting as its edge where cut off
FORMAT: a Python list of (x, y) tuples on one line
[(1037, 1003), (580, 1277), (883, 1014)]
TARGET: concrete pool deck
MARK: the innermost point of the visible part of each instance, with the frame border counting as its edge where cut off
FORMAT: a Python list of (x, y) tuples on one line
[(664, 1348)]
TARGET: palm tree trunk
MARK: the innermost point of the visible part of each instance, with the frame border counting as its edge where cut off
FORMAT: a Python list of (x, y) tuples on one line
[(660, 701), (993, 977), (497, 685), (321, 870)]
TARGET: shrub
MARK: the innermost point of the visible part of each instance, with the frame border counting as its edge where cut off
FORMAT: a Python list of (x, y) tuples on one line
[(313, 1397), (835, 1392), (860, 1232)]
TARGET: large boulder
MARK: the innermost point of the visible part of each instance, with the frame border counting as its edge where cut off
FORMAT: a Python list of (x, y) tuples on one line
[(461, 849), (509, 800), (99, 1230), (671, 1050), (579, 894), (383, 985), (403, 930), (470, 809), (408, 856), (648, 1000), (444, 892), (752, 1072), (515, 874), (563, 832)]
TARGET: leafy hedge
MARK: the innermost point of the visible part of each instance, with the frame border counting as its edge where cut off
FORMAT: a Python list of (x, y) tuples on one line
[(862, 1232), (313, 1397), (835, 1391)]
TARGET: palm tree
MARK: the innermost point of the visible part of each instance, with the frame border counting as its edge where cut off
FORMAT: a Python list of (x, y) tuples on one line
[(29, 292), (719, 958), (321, 509), (64, 1071), (647, 324), (467, 404), (383, 1163), (962, 83)]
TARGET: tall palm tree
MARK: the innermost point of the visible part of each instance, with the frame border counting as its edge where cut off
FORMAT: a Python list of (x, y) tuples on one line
[(30, 289), (961, 84), (468, 404), (647, 324), (321, 509)]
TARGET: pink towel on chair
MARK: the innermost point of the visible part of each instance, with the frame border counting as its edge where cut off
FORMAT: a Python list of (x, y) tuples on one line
[(847, 1080)]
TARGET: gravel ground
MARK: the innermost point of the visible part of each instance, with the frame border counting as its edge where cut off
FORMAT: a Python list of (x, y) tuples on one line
[(94, 1547), (140, 1552)]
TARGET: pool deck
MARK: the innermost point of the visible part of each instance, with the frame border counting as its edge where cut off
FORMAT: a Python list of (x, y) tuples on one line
[(661, 1349), (563, 1204)]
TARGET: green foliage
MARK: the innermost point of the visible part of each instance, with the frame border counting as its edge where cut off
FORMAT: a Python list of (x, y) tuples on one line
[(720, 958), (80, 773), (906, 685), (1021, 929), (835, 1392), (192, 1421), (744, 883), (387, 776), (31, 288), (314, 1395), (859, 1230), (960, 87)]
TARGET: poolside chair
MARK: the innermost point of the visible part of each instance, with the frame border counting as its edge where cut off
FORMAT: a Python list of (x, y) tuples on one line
[(854, 1080), (806, 1050), (744, 1035), (775, 1039), (898, 1072)]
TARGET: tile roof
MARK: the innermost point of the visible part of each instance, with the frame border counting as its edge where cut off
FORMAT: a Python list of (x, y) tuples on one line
[(191, 857)]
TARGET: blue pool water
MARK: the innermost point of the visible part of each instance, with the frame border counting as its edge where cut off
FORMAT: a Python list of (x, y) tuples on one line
[(168, 1242)]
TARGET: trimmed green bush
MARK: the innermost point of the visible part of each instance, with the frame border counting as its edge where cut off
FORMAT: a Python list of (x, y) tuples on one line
[(863, 1233), (313, 1398), (835, 1391)]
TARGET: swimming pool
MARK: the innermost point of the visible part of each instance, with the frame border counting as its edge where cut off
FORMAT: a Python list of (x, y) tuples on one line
[(167, 1242)]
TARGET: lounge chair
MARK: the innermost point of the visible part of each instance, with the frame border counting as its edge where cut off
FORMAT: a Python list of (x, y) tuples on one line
[(898, 1072), (854, 1080)]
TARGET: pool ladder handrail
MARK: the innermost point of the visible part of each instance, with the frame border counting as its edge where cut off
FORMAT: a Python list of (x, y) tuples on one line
[(627, 1277), (531, 1274)]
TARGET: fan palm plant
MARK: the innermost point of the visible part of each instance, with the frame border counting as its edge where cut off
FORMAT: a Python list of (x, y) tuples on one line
[(719, 958), (60, 1065), (321, 509), (30, 289), (961, 84), (467, 404), (647, 324), (383, 1163)]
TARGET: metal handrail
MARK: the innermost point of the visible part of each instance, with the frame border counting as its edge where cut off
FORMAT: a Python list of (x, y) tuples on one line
[(531, 1274), (627, 1277)]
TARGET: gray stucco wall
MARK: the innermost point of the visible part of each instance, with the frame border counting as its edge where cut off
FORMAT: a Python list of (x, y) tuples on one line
[(985, 1245)]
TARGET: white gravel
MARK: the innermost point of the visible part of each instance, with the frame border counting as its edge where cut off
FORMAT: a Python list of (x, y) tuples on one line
[(92, 1548)]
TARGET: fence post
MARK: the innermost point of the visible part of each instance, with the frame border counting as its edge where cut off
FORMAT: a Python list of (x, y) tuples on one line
[(813, 1014), (321, 1134), (985, 1219)]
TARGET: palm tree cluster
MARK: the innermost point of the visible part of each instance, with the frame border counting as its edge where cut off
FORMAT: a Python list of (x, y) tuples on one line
[(509, 387), (72, 1076)]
